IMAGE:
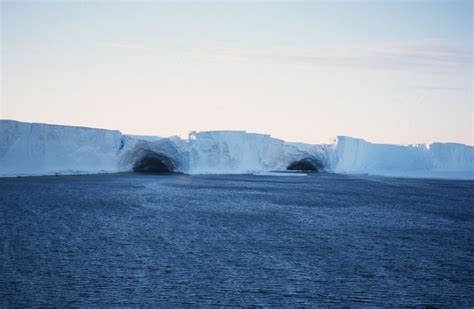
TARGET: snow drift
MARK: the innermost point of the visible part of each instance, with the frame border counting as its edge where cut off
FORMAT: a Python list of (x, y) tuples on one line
[(41, 149)]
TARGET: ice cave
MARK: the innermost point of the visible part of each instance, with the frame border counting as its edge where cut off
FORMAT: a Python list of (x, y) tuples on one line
[(152, 162), (306, 164), (29, 149)]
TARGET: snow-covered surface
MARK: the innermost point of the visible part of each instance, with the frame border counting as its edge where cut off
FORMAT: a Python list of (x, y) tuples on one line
[(42, 149)]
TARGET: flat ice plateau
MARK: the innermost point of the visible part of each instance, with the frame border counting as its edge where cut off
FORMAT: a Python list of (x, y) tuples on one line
[(41, 149)]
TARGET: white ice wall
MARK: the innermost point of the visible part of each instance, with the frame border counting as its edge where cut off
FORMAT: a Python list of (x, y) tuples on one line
[(40, 149), (451, 157), (238, 152), (353, 155), (229, 152)]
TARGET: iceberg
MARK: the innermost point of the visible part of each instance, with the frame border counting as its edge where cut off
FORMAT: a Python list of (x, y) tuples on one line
[(239, 152), (444, 160), (44, 149)]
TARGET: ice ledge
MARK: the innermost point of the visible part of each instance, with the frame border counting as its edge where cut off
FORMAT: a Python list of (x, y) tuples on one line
[(44, 149)]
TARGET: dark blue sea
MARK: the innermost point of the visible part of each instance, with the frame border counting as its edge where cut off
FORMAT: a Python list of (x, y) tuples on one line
[(198, 241)]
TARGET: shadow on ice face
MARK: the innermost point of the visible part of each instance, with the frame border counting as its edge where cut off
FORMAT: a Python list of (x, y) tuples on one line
[(152, 162), (306, 164)]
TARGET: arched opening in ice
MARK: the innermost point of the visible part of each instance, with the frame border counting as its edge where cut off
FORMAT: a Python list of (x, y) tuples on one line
[(306, 164), (152, 162)]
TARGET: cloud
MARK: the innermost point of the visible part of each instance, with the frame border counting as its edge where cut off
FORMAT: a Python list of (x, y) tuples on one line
[(428, 54)]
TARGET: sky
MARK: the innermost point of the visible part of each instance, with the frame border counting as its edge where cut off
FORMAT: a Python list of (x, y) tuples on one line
[(387, 71)]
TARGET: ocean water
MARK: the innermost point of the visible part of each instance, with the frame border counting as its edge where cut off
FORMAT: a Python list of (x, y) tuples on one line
[(247, 240)]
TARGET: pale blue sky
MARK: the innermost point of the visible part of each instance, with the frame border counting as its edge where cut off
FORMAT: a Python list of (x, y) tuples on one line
[(386, 71)]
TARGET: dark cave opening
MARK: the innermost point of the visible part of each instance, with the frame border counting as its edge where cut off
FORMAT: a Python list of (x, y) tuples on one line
[(307, 164), (153, 163)]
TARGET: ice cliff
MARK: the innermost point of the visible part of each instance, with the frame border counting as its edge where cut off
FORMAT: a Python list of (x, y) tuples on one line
[(230, 152), (356, 156), (41, 149)]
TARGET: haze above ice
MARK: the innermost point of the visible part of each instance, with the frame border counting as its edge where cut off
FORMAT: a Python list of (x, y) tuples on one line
[(397, 72)]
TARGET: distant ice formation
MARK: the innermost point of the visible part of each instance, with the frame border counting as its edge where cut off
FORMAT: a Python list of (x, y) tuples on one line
[(444, 160), (42, 149)]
